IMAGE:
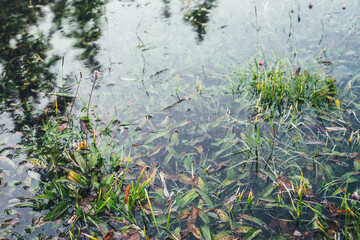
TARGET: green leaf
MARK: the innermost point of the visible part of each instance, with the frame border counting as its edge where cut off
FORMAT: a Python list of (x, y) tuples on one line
[(175, 138), (222, 215), (49, 196), (93, 160), (114, 161), (80, 161), (76, 178), (207, 234), (252, 219), (57, 211), (357, 164), (189, 197), (206, 198), (252, 234)]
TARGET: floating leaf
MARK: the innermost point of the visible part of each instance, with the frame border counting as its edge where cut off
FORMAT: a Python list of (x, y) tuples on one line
[(57, 211), (7, 160), (34, 175)]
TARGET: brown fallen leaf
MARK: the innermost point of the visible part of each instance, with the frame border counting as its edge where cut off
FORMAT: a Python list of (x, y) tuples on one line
[(109, 235), (193, 216), (135, 236), (194, 230), (199, 149), (285, 184)]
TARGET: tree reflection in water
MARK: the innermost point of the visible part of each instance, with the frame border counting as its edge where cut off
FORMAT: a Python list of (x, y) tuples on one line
[(198, 16)]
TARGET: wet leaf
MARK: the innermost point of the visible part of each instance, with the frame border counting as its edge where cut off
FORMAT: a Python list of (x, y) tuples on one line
[(175, 138), (252, 234), (8, 161), (183, 215), (243, 229), (176, 233), (189, 197), (357, 164), (156, 150), (199, 149), (333, 225), (194, 230), (49, 196), (206, 232), (34, 175), (109, 235), (83, 125), (93, 160), (204, 216), (193, 216), (222, 215), (62, 127), (284, 184), (252, 219), (224, 235), (206, 198), (180, 124), (135, 236), (315, 143), (335, 129), (57, 211), (80, 161), (76, 178)]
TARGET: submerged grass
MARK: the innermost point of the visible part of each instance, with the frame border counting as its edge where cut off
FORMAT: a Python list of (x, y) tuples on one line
[(286, 167)]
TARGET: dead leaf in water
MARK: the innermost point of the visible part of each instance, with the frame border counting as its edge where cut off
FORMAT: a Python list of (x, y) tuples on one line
[(285, 184), (109, 235), (194, 230), (199, 149)]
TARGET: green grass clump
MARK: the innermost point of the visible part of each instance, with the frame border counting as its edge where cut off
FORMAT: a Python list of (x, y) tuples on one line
[(278, 87)]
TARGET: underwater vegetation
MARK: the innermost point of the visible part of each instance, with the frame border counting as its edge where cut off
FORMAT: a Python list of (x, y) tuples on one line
[(284, 166)]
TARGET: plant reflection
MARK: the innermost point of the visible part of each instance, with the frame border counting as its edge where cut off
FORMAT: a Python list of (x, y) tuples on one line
[(198, 16), (23, 58)]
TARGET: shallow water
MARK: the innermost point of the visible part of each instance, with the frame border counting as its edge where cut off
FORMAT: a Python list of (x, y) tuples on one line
[(150, 54)]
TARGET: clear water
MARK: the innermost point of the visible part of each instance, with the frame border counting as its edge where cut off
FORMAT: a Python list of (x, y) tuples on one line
[(150, 53)]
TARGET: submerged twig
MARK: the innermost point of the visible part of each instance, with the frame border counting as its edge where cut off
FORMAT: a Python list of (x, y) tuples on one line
[(179, 101)]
